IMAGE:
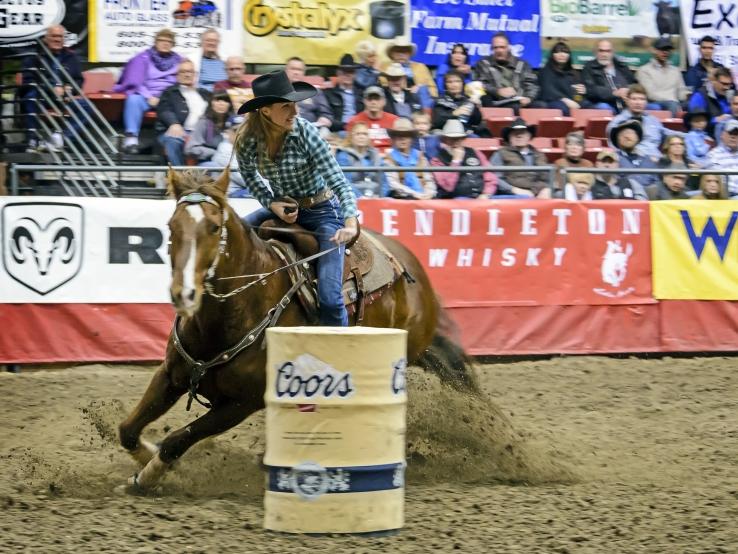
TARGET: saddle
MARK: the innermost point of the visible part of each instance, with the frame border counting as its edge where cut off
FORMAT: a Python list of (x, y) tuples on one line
[(369, 268)]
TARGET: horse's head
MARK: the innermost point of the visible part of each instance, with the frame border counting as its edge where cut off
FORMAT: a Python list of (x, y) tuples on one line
[(197, 234)]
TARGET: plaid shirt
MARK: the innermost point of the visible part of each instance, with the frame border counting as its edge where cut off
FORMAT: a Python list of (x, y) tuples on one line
[(304, 167)]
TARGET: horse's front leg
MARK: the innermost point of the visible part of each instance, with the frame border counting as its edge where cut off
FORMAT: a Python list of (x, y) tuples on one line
[(218, 420), (158, 398)]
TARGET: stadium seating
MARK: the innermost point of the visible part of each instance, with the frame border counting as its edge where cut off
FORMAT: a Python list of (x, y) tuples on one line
[(98, 88)]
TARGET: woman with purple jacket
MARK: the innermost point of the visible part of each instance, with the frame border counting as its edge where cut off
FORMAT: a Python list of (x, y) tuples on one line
[(144, 78)]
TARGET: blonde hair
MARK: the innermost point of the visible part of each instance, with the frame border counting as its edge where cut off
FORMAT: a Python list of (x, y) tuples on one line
[(268, 136), (364, 49), (350, 133), (723, 194), (588, 178)]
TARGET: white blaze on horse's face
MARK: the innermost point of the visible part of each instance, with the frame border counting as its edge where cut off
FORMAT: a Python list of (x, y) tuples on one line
[(186, 289), (188, 275)]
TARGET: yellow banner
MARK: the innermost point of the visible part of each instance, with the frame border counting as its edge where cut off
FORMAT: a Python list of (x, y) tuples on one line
[(319, 32), (694, 250)]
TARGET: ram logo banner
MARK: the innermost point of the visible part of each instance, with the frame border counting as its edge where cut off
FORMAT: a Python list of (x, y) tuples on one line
[(695, 256), (42, 243)]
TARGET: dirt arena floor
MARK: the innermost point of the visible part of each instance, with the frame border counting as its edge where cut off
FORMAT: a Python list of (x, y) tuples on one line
[(590, 455)]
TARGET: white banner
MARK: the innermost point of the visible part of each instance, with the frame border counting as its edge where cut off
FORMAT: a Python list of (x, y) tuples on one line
[(87, 250), (716, 18), (600, 19), (120, 29)]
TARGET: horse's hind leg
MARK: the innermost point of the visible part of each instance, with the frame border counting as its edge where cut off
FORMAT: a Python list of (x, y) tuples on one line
[(158, 398), (217, 420)]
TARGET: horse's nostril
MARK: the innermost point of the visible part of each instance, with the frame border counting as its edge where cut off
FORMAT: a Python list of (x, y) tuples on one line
[(191, 295)]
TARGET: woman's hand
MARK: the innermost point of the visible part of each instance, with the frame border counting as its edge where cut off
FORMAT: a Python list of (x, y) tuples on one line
[(346, 233), (286, 211)]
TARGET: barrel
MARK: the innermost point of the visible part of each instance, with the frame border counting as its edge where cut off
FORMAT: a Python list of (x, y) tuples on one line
[(335, 429)]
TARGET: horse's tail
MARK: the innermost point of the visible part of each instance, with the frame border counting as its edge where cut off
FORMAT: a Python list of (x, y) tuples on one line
[(446, 358)]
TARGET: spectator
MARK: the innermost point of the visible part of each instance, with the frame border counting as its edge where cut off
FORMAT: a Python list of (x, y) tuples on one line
[(315, 109), (518, 151), (733, 115), (508, 81), (712, 187), (358, 151), (725, 155), (407, 184), (208, 131), (653, 131), (561, 84), (457, 60), (713, 97), (367, 74), (454, 104), (611, 186), (607, 79), (400, 100), (626, 136), (38, 87), (578, 188), (143, 80), (212, 68), (180, 108), (224, 156), (453, 153), (427, 143), (345, 99), (670, 187), (697, 140), (238, 88), (675, 155), (663, 82), (375, 117), (698, 75), (419, 78), (573, 152)]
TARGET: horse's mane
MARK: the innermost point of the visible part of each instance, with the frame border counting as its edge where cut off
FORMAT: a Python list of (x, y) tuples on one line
[(197, 180)]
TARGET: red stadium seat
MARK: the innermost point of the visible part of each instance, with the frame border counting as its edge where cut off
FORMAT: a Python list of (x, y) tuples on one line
[(588, 142), (489, 113), (542, 142), (582, 115), (591, 153), (533, 115), (596, 127), (497, 124), (552, 154), (557, 126), (97, 87), (674, 123), (482, 143)]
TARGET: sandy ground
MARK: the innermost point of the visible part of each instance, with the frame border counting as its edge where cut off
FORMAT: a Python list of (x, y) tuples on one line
[(582, 455)]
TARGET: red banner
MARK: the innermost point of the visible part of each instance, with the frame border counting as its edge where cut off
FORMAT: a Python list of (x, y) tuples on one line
[(488, 253)]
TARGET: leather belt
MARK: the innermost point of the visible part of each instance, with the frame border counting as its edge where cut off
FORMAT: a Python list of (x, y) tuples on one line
[(310, 201)]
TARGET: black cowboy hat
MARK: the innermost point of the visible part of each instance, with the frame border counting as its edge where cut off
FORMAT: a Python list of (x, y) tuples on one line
[(276, 87), (518, 125), (689, 116), (347, 63), (629, 124)]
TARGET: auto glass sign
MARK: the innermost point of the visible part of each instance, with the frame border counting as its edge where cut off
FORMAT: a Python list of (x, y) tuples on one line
[(27, 19)]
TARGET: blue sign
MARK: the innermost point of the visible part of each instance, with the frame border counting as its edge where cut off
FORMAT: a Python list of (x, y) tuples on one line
[(439, 24)]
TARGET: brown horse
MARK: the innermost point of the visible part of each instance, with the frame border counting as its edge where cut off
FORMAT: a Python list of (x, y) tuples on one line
[(222, 320)]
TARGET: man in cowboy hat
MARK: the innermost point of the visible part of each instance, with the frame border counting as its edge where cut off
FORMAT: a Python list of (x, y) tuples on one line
[(625, 137), (291, 171), (315, 109), (400, 100), (345, 99), (419, 78), (453, 153), (375, 117), (407, 184), (519, 152), (507, 80)]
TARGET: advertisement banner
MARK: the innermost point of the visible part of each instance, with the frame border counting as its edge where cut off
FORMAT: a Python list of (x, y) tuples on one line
[(524, 252), (695, 255), (438, 24), (120, 29), (716, 18), (21, 23), (318, 32), (628, 24)]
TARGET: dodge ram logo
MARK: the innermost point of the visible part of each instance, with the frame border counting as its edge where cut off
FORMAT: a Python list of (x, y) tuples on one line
[(42, 243)]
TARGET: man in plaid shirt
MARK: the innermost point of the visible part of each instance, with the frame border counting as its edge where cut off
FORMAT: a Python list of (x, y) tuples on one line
[(281, 155)]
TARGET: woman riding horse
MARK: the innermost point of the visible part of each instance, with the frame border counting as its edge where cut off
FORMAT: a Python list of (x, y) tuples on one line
[(282, 155)]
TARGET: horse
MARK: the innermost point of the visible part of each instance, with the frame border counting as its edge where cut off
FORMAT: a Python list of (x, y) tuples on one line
[(210, 250)]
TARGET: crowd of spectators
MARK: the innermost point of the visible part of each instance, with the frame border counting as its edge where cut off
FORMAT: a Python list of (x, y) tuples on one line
[(398, 114)]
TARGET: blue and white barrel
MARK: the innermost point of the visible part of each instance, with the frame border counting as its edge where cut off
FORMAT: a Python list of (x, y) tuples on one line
[(335, 429)]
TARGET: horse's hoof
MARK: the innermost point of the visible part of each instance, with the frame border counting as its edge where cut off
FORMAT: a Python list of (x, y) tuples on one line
[(132, 488)]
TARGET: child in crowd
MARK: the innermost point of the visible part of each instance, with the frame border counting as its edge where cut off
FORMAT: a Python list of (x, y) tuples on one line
[(696, 139), (712, 187), (427, 143), (407, 184), (579, 187)]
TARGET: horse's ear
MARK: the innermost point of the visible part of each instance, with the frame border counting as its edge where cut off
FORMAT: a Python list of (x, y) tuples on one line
[(224, 180), (174, 188)]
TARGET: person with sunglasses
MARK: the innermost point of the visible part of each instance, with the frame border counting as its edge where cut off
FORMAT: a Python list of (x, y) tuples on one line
[(714, 97)]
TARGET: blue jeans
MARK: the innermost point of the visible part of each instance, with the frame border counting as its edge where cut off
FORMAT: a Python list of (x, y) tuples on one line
[(133, 113), (670, 105), (324, 219), (173, 149), (31, 107), (603, 106)]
